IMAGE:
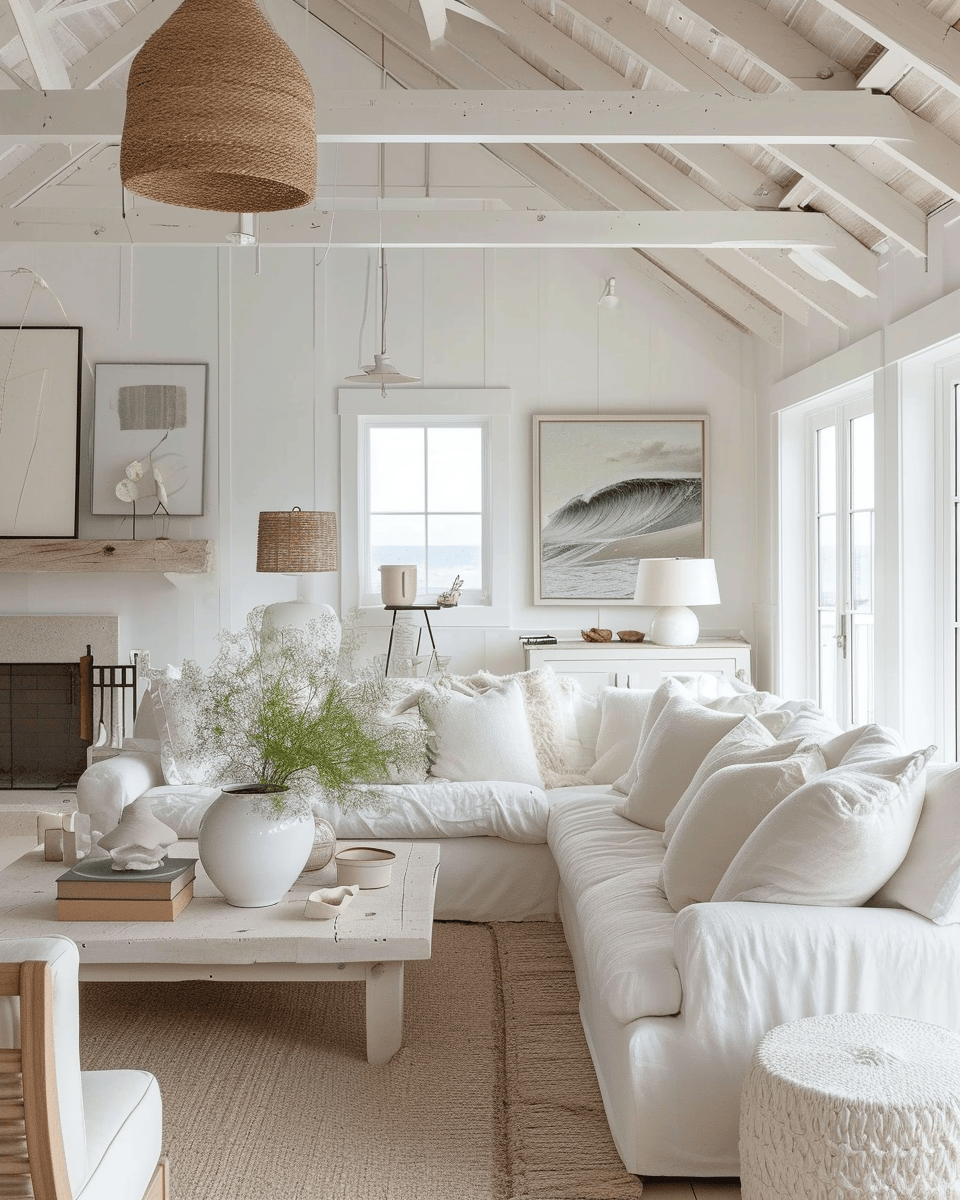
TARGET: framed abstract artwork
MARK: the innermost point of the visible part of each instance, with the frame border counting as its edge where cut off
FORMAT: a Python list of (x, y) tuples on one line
[(609, 491), (150, 414), (40, 431)]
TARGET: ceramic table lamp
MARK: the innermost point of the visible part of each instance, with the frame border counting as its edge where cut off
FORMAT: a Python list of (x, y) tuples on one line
[(672, 585)]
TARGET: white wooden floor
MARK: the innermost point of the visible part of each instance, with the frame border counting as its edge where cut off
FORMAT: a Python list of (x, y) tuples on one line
[(695, 1189)]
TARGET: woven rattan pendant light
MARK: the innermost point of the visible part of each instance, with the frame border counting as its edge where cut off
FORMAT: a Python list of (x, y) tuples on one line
[(220, 114)]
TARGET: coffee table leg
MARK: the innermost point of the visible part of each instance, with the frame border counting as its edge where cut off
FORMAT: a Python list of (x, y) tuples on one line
[(384, 1011)]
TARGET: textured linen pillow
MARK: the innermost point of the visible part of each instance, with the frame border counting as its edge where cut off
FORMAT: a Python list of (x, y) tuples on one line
[(183, 759), (622, 715), (748, 742), (928, 879), (834, 841), (872, 742), (485, 736), (679, 741), (722, 814), (580, 725), (804, 719), (671, 687)]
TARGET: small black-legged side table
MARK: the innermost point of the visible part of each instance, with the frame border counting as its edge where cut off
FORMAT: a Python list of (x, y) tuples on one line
[(426, 609)]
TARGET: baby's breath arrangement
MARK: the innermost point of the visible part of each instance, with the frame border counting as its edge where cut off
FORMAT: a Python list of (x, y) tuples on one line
[(274, 712)]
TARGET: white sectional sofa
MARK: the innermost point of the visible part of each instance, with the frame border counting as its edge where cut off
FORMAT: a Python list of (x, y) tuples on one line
[(673, 1003)]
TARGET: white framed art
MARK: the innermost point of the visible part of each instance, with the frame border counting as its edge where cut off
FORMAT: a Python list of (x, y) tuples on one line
[(611, 490), (152, 414), (40, 431)]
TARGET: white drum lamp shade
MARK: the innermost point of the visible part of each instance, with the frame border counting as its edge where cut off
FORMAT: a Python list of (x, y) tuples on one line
[(672, 585)]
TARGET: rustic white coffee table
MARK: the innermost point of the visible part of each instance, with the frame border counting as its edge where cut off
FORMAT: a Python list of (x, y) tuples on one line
[(210, 939)]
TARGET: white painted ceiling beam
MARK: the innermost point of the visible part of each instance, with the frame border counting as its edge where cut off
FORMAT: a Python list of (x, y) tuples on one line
[(779, 49), (885, 72), (931, 154), (45, 58), (911, 30), (37, 171), (435, 18), (121, 45), (456, 229), (843, 179), (509, 116)]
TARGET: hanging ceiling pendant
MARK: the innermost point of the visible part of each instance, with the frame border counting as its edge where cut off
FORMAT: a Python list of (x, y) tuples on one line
[(383, 371), (220, 114)]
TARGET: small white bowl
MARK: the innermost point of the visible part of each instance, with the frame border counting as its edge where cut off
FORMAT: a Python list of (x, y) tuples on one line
[(366, 866)]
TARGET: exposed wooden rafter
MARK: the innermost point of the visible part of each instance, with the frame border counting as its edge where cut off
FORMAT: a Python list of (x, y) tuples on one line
[(500, 116), (45, 58)]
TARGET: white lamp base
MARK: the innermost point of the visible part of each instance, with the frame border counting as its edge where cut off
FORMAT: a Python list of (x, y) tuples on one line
[(674, 625), (297, 614)]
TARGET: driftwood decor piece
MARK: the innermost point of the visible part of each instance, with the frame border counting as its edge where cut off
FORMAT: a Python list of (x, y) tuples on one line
[(630, 635), (186, 556), (596, 635)]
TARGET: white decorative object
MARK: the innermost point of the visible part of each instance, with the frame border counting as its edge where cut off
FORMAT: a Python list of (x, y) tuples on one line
[(451, 598), (852, 1106), (327, 903), (324, 844), (140, 841), (365, 866), (251, 853), (671, 585), (398, 583)]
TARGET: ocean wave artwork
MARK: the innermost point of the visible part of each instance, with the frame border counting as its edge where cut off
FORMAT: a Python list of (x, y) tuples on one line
[(591, 544)]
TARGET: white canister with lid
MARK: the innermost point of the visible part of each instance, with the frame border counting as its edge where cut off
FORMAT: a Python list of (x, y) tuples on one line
[(398, 583)]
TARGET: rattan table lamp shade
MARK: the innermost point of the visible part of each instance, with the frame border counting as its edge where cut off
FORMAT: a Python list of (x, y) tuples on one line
[(220, 114), (296, 542)]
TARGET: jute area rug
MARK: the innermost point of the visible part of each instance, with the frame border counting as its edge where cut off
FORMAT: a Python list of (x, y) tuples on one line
[(268, 1096)]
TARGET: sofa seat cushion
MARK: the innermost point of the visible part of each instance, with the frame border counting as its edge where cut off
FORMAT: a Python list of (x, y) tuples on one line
[(124, 1131), (609, 867)]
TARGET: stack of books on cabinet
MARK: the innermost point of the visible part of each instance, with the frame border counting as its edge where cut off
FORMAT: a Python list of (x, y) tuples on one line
[(94, 891)]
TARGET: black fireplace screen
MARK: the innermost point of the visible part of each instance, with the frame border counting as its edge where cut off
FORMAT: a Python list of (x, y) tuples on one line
[(40, 745)]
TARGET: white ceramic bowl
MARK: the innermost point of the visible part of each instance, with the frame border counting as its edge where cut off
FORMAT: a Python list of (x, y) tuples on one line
[(366, 866)]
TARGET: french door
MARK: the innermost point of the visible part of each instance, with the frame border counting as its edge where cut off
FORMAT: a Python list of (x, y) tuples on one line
[(843, 554)]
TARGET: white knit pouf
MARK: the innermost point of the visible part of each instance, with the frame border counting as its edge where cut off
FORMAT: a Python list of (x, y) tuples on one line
[(855, 1106)]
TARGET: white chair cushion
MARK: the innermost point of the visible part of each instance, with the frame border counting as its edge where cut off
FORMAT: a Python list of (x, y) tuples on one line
[(124, 1133), (64, 959), (928, 879), (676, 745), (482, 736), (722, 814), (623, 712), (609, 868), (834, 841)]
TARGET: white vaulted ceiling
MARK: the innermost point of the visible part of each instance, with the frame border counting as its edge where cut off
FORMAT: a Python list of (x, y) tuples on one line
[(760, 154)]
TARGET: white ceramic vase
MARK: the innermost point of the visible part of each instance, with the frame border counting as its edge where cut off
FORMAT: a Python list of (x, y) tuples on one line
[(251, 853)]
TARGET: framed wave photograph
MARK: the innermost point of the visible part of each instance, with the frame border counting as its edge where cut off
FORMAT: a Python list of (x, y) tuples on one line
[(609, 491)]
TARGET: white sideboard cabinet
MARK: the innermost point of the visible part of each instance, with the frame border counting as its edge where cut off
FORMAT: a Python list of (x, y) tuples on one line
[(640, 664)]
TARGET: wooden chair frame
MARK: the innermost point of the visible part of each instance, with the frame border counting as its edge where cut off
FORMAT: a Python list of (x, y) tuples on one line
[(30, 1124)]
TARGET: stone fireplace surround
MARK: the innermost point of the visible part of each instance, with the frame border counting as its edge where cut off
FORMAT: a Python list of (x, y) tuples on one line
[(40, 745)]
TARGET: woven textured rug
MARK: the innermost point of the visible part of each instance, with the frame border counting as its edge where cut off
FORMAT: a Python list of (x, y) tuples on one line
[(268, 1096)]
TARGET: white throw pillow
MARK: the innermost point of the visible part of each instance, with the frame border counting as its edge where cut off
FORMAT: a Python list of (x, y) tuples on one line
[(183, 757), (805, 719), (834, 841), (928, 879), (747, 703), (580, 723), (748, 742), (622, 715), (667, 690), (680, 739), (485, 736), (720, 817), (871, 743)]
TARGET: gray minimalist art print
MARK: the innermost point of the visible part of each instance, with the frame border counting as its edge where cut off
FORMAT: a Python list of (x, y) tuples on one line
[(150, 414), (609, 491)]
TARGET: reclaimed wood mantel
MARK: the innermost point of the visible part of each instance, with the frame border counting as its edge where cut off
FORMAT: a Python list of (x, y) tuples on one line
[(180, 555)]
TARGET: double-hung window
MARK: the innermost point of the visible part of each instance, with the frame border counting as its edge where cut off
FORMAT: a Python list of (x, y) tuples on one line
[(425, 481), (426, 503)]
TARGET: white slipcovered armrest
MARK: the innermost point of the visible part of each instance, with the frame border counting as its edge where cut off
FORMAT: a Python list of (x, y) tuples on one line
[(107, 787), (747, 967)]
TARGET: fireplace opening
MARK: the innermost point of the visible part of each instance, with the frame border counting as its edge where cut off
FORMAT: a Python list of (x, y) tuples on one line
[(40, 744)]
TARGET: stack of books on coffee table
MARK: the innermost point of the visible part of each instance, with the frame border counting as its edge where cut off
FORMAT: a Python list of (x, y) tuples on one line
[(94, 891)]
